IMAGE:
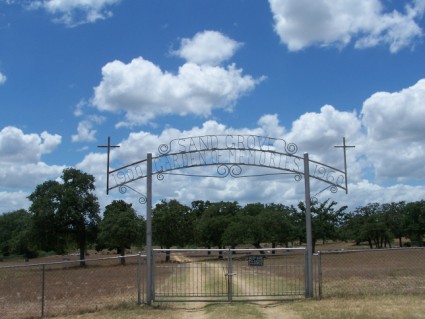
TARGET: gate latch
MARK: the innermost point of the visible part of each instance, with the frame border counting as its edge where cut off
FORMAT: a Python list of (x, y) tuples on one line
[(230, 274)]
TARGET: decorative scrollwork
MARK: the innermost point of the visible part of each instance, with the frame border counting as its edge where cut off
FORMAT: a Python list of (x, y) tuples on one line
[(143, 199), (160, 176), (123, 189), (333, 189), (298, 177), (224, 170), (164, 149), (235, 170), (291, 148)]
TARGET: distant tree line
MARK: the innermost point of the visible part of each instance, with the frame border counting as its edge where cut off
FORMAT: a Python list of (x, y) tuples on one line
[(65, 216)]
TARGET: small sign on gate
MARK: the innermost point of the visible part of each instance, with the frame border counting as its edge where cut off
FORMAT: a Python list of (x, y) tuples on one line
[(255, 260)]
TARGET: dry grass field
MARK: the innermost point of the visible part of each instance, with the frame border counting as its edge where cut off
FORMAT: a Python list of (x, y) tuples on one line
[(377, 307), (368, 284), (373, 272)]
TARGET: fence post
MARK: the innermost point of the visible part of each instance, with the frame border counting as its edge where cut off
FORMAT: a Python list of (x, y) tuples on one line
[(319, 270), (309, 240), (42, 288), (229, 276), (139, 263), (149, 261)]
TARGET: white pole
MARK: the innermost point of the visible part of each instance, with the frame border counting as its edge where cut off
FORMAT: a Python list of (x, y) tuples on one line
[(309, 263), (149, 261)]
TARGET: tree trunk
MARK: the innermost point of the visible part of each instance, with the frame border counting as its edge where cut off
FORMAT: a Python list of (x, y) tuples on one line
[(82, 244), (122, 252), (167, 256), (220, 253), (257, 245)]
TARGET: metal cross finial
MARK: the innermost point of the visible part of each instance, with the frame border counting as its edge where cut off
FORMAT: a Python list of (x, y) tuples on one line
[(109, 146), (344, 147)]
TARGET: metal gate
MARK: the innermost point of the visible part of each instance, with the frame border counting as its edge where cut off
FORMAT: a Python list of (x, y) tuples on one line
[(228, 274)]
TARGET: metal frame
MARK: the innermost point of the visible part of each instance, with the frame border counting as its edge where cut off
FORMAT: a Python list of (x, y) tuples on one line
[(204, 151), (232, 275)]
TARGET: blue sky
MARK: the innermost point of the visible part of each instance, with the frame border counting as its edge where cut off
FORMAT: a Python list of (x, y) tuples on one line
[(74, 72)]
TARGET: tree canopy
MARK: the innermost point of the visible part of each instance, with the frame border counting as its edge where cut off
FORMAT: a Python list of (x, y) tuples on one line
[(64, 215), (67, 211), (120, 227)]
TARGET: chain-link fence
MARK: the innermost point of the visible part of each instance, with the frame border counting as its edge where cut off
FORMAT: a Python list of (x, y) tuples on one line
[(59, 288), (372, 272)]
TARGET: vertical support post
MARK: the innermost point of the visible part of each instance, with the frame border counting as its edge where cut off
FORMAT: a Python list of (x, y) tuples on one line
[(149, 262), (229, 276), (309, 237), (42, 289), (139, 271), (319, 271)]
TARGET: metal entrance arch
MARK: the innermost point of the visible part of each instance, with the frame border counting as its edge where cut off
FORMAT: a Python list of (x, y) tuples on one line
[(229, 155)]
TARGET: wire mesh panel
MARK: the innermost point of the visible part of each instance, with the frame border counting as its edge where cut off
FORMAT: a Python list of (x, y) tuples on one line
[(268, 273), (71, 288), (373, 272), (196, 273), (66, 287), (20, 292)]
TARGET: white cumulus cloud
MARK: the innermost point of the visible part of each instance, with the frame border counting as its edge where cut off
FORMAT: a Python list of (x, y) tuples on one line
[(143, 91), (395, 131), (208, 47), (20, 158), (75, 12), (387, 134), (3, 78), (85, 129), (18, 147), (367, 23)]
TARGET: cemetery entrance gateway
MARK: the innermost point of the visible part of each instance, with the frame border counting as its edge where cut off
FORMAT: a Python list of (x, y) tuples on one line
[(225, 155)]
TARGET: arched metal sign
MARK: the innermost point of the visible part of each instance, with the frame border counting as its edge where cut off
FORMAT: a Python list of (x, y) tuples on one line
[(222, 156), (227, 155)]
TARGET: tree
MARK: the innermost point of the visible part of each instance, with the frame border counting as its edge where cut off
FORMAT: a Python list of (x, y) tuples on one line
[(278, 222), (325, 219), (68, 210), (374, 228), (120, 227), (79, 207), (396, 219), (15, 238), (48, 229), (415, 221), (171, 225), (258, 223), (254, 227), (211, 226)]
